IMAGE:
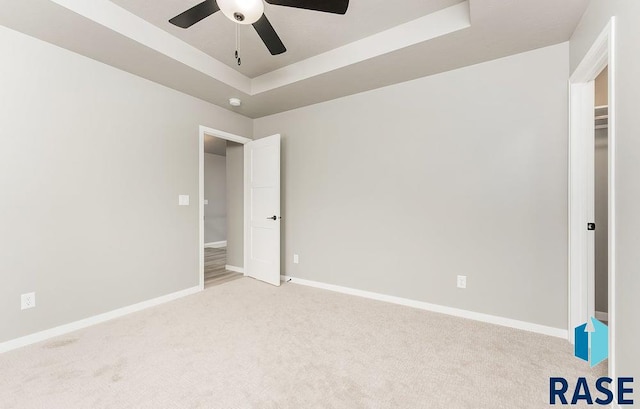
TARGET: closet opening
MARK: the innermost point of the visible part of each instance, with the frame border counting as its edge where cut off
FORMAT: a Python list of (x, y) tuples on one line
[(601, 197)]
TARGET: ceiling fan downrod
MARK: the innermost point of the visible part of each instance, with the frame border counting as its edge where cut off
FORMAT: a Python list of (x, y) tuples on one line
[(237, 55)]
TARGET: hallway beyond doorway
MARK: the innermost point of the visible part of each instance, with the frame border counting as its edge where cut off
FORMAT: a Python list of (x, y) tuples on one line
[(214, 268)]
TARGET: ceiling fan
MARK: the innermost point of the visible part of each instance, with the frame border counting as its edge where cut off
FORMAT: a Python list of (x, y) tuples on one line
[(252, 12)]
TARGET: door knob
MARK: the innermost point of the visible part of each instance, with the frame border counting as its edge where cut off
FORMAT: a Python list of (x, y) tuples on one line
[(272, 218)]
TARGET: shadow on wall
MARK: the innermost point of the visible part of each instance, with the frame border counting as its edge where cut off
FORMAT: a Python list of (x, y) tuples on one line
[(235, 204), (215, 196)]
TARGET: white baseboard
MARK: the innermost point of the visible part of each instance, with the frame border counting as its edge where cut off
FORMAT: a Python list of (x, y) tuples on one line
[(215, 244), (234, 269), (602, 316), (96, 319), (456, 312)]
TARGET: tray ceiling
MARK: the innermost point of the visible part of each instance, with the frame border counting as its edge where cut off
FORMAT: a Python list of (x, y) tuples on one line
[(459, 35), (305, 33)]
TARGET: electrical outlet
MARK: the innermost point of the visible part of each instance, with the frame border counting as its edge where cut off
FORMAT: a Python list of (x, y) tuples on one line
[(462, 281), (296, 259), (28, 301)]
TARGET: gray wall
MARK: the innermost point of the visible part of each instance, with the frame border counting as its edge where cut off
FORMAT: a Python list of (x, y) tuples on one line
[(627, 167), (92, 160), (235, 204), (215, 192), (400, 189)]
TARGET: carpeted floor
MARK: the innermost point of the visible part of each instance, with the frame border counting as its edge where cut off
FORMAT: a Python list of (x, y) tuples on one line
[(245, 344)]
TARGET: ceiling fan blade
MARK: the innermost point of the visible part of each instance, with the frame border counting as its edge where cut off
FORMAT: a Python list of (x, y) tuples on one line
[(195, 14), (328, 6), (269, 36)]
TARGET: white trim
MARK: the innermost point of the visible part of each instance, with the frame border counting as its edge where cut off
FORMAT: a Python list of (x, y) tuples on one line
[(456, 312), (612, 201), (201, 208), (215, 244), (224, 135), (600, 55), (202, 131), (602, 316), (234, 269), (425, 28), (96, 319), (124, 22)]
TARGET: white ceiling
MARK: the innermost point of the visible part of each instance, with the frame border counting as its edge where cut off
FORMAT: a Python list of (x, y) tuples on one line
[(461, 35), (305, 33)]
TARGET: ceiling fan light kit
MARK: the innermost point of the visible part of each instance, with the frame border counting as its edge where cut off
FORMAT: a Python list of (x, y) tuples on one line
[(242, 11), (252, 12)]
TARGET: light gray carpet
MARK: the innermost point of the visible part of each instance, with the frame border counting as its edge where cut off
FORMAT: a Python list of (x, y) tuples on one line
[(245, 344)]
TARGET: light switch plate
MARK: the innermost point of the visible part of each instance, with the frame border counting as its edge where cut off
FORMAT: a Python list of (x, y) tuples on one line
[(206, 201), (183, 200), (296, 259)]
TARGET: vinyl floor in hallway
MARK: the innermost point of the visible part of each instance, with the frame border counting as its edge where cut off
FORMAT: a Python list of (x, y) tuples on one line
[(215, 273)]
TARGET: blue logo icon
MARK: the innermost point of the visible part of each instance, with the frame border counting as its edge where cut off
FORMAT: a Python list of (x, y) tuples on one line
[(592, 343)]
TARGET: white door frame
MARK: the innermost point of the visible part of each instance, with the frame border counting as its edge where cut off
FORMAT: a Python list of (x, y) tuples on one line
[(222, 135), (581, 113)]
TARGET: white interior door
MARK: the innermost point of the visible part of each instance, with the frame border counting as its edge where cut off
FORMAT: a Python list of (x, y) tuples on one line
[(262, 209), (582, 204)]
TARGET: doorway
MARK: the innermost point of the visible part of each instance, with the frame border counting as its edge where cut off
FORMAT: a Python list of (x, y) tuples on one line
[(592, 189), (252, 212), (601, 196), (221, 198), (223, 183)]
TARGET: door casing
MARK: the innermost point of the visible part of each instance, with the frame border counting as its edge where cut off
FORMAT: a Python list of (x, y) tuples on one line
[(581, 136)]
